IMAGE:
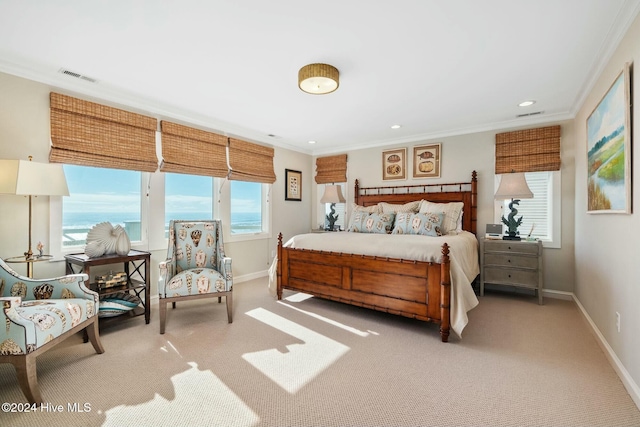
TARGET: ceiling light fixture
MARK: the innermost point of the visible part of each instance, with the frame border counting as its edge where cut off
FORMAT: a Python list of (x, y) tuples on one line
[(395, 127), (526, 103), (318, 79), (312, 142)]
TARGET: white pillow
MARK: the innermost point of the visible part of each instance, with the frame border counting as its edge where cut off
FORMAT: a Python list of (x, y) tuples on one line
[(411, 207), (369, 209), (452, 214)]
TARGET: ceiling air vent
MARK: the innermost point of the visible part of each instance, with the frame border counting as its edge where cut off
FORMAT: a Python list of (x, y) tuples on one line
[(535, 113), (77, 75)]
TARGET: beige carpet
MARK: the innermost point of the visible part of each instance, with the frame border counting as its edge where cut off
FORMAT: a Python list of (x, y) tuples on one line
[(320, 363)]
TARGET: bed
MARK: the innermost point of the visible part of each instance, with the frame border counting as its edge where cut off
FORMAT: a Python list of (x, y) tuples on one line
[(430, 283)]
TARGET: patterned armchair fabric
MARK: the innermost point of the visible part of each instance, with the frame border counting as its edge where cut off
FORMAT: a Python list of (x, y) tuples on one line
[(36, 314), (196, 265)]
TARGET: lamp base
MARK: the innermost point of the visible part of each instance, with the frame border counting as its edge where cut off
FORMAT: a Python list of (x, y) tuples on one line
[(507, 237)]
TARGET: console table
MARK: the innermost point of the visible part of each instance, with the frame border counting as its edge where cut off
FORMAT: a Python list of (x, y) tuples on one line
[(137, 265)]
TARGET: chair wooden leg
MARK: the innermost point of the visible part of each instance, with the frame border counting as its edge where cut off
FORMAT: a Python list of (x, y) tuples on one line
[(28, 377), (93, 333), (229, 299), (163, 314)]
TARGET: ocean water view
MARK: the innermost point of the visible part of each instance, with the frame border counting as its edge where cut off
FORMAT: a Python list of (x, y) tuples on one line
[(76, 225)]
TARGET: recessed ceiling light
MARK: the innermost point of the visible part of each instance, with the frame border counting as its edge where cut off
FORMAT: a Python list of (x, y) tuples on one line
[(312, 142), (395, 127), (526, 103)]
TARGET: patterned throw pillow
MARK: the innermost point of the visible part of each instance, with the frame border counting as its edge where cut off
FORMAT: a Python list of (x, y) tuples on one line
[(394, 208), (451, 211), (426, 224), (362, 222)]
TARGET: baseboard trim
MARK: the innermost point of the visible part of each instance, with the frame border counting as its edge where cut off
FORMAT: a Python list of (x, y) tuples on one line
[(252, 276), (623, 374), (550, 293)]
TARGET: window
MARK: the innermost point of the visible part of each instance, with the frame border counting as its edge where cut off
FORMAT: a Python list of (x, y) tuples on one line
[(541, 214), (187, 197), (247, 207), (97, 195), (339, 208)]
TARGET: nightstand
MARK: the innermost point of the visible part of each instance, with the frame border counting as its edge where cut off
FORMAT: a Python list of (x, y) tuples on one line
[(513, 263)]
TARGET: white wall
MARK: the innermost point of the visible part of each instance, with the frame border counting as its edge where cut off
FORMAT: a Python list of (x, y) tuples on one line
[(25, 130), (606, 245), (463, 154)]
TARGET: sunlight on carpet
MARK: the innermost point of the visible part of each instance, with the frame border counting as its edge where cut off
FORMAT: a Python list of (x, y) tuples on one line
[(186, 408), (300, 363)]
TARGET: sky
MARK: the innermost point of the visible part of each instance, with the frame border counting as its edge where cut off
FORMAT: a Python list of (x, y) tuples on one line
[(112, 190)]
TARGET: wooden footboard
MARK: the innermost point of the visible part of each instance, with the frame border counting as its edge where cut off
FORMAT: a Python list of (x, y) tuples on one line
[(416, 289)]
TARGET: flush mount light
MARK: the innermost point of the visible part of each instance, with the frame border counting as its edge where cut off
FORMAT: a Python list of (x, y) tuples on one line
[(395, 127), (526, 103), (318, 79), (312, 142)]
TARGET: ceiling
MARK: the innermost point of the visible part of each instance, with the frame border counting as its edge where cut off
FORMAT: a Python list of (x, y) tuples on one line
[(436, 68)]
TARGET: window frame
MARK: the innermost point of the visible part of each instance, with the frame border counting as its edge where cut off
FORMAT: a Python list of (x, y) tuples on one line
[(223, 189), (554, 203)]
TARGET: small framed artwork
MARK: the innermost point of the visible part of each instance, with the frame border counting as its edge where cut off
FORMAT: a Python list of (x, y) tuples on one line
[(293, 185), (394, 164), (609, 149), (426, 161)]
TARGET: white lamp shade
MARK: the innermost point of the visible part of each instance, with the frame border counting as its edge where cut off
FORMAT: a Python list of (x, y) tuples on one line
[(332, 194), (513, 186), (27, 178)]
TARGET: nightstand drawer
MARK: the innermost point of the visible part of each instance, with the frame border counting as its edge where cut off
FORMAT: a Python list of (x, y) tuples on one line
[(511, 260), (510, 276), (513, 247)]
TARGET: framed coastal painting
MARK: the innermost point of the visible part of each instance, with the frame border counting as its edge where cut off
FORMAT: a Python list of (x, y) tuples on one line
[(293, 185), (609, 149), (394, 164), (426, 161)]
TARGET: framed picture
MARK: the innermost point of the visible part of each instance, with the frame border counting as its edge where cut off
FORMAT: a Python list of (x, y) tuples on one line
[(609, 150), (293, 185), (394, 164), (426, 161)]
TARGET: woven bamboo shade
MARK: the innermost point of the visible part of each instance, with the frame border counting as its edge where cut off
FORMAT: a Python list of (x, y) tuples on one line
[(530, 150), (251, 162), (193, 151), (89, 134), (331, 169)]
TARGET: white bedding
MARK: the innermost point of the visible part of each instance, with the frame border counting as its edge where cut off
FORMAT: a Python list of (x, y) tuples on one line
[(463, 254)]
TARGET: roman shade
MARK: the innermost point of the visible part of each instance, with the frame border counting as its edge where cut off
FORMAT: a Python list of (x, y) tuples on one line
[(89, 134), (250, 162), (193, 151), (331, 169), (529, 150)]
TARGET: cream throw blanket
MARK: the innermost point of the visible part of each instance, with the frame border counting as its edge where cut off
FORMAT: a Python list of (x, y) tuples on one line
[(463, 254)]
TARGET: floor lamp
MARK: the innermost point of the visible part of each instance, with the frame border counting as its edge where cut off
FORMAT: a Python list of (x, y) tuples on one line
[(28, 178)]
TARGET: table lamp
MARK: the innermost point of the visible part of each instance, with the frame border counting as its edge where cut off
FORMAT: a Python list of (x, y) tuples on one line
[(28, 178), (332, 194), (513, 186)]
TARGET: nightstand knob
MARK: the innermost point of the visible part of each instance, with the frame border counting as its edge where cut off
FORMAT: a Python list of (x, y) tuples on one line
[(508, 260)]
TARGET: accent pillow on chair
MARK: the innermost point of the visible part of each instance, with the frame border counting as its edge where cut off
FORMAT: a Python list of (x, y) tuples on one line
[(196, 266)]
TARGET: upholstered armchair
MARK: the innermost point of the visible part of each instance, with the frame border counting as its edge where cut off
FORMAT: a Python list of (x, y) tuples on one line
[(196, 266), (38, 314)]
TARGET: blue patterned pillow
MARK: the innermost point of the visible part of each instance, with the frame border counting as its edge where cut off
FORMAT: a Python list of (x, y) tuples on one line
[(426, 224), (363, 222)]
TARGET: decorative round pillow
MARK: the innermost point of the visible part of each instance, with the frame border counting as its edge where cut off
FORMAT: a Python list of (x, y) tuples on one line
[(117, 304)]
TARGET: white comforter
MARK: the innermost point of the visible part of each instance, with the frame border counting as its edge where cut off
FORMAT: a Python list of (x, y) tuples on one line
[(463, 255)]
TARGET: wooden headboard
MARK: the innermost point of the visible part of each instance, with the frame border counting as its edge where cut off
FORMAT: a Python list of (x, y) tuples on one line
[(465, 192)]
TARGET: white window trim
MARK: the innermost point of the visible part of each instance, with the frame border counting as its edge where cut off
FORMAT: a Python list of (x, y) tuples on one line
[(556, 209), (55, 223), (223, 211)]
